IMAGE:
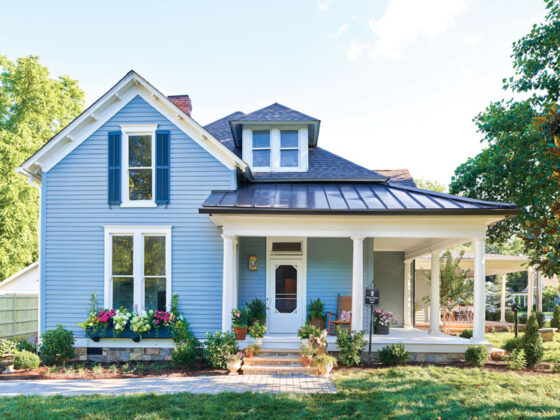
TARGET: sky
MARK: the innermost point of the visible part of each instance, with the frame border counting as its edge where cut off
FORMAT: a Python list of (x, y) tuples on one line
[(395, 83)]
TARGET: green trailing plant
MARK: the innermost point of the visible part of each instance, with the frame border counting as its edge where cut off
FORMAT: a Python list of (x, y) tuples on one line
[(532, 342), (57, 346), (350, 346), (466, 334), (257, 330), (184, 355), (516, 360), (316, 309), (26, 360), (218, 346), (324, 360), (555, 321), (395, 354), (256, 311), (7, 346), (476, 355)]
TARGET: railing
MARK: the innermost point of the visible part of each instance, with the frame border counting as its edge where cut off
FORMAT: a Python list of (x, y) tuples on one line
[(18, 315)]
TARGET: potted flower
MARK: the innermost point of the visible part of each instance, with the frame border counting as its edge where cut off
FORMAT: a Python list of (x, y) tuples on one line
[(308, 331), (239, 323), (319, 342), (325, 364), (7, 351), (257, 331), (252, 350), (316, 313), (307, 353), (234, 362), (382, 321)]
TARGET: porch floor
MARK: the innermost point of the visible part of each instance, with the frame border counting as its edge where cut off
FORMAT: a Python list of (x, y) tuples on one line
[(415, 340)]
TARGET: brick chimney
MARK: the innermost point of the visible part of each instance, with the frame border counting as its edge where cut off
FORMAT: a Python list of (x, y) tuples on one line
[(183, 102)]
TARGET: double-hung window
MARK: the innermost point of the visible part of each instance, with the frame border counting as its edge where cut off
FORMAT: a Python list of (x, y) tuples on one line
[(138, 163), (261, 149), (289, 149), (138, 268)]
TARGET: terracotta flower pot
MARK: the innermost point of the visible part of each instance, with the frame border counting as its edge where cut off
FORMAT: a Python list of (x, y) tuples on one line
[(325, 370), (234, 367), (306, 361), (381, 329), (249, 353), (240, 333), (318, 322)]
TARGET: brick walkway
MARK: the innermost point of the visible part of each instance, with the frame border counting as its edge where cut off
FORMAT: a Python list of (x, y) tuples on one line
[(196, 385)]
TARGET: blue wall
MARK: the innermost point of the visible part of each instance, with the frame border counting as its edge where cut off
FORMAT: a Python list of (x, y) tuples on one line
[(251, 284), (76, 210)]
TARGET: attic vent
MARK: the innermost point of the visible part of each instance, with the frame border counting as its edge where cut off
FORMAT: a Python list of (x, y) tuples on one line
[(286, 247)]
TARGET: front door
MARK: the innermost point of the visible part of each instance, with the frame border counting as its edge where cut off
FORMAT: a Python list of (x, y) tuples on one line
[(285, 301)]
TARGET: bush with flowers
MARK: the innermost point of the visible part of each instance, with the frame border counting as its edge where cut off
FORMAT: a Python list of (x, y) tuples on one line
[(257, 330), (121, 320), (384, 318), (308, 331), (142, 322)]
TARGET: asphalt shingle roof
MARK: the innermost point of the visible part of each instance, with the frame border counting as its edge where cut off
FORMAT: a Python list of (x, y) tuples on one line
[(275, 112), (398, 176)]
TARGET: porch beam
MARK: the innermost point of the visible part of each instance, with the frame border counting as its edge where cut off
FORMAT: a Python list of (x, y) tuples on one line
[(228, 279), (357, 283), (434, 294), (503, 279), (479, 296)]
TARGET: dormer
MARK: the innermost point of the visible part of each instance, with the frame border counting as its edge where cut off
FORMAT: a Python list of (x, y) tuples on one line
[(275, 138)]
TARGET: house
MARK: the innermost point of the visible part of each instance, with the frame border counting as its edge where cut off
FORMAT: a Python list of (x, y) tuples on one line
[(139, 202), (24, 282)]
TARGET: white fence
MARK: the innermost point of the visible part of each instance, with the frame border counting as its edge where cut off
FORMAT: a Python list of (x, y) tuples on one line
[(18, 315)]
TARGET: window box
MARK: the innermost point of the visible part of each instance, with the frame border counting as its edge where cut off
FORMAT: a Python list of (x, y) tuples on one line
[(96, 335)]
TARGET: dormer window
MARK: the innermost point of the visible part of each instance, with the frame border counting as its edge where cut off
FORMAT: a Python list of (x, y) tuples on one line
[(275, 149)]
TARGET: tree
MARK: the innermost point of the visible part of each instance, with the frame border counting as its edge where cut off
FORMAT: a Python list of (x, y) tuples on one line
[(456, 288), (516, 165), (550, 293), (426, 184), (33, 107)]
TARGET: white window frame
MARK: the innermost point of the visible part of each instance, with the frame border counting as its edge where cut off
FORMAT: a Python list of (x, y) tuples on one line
[(138, 233), (275, 147), (137, 130)]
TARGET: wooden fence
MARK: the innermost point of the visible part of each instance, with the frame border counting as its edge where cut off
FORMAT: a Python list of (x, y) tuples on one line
[(18, 315)]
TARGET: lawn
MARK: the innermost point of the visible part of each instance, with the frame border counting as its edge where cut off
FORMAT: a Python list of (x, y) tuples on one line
[(551, 348), (400, 393)]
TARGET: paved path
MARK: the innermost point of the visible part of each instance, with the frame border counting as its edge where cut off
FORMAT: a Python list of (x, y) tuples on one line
[(196, 385)]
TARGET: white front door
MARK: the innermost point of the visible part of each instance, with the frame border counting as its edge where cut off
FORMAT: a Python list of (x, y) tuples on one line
[(285, 290)]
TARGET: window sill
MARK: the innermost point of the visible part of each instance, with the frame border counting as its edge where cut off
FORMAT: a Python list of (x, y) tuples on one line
[(139, 205)]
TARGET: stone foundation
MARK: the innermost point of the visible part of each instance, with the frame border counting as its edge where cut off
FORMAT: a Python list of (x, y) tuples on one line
[(122, 354)]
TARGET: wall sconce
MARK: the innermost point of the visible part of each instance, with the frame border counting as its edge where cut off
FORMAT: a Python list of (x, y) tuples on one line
[(253, 263)]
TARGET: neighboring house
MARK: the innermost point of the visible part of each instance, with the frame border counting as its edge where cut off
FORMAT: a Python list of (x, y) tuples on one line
[(24, 282), (139, 202)]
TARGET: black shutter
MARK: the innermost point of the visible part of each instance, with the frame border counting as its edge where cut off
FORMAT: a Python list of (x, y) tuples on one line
[(162, 167), (114, 174)]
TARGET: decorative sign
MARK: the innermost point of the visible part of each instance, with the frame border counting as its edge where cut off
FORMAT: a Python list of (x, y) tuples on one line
[(372, 297), (252, 263)]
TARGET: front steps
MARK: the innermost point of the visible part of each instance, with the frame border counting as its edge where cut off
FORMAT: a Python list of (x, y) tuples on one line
[(276, 362)]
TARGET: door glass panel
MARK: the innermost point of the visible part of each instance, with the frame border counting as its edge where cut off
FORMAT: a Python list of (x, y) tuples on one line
[(286, 289)]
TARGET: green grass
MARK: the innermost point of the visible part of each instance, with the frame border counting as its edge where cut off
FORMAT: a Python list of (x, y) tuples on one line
[(551, 348), (399, 393)]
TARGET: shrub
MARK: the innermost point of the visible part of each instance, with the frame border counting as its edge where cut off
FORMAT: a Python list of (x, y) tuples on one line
[(256, 310), (184, 355), (512, 344), (540, 319), (350, 346), (532, 342), (7, 346), (510, 317), (324, 360), (218, 346), (466, 334), (395, 354), (492, 316), (555, 321), (26, 360), (23, 344), (476, 355), (516, 361), (57, 346), (522, 318), (316, 309)]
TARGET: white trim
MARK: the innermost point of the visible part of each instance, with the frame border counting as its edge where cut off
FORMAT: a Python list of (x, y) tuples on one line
[(105, 108), (138, 233), (136, 130)]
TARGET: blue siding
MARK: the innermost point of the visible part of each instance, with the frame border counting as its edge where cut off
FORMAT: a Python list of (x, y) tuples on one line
[(76, 210), (251, 284)]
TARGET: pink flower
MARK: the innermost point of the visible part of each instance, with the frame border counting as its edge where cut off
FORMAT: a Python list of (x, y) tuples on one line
[(238, 315)]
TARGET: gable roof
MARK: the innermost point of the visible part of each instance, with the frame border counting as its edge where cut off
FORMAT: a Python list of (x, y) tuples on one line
[(276, 113), (346, 198), (398, 176), (97, 114)]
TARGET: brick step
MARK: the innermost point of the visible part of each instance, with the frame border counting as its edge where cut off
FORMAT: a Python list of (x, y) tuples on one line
[(272, 361), (279, 353), (278, 370)]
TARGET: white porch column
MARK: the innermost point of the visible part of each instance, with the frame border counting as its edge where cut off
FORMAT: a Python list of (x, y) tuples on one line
[(434, 294), (530, 291), (228, 278), (358, 283), (539, 291), (235, 293), (479, 313), (503, 278), (407, 318)]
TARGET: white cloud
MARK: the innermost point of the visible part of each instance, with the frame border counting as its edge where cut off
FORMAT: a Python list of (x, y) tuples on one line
[(472, 40), (405, 20), (341, 30), (355, 50), (324, 5)]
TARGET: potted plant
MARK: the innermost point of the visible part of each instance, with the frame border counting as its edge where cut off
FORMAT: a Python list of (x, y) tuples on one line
[(316, 313), (325, 364), (382, 321), (239, 323), (7, 351), (319, 342), (256, 311), (308, 331), (257, 332), (252, 350), (234, 362), (307, 353)]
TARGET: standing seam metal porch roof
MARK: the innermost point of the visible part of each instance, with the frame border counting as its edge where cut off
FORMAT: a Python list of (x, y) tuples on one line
[(345, 198)]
